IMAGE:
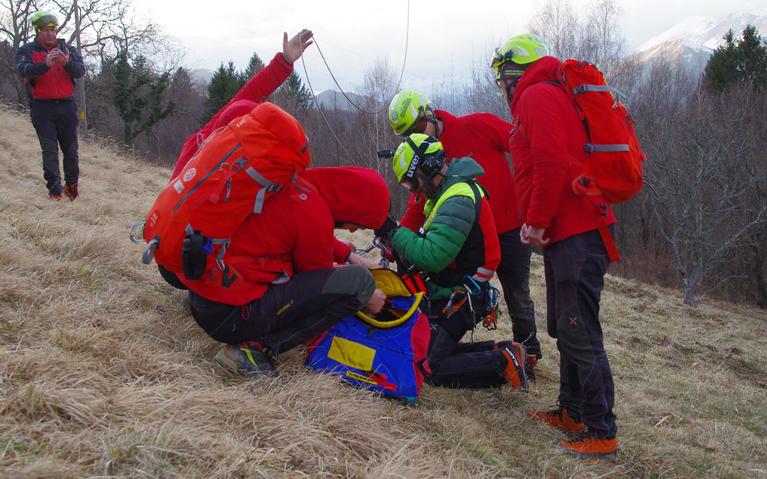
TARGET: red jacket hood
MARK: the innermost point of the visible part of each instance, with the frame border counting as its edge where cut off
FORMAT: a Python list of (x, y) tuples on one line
[(544, 69), (354, 194)]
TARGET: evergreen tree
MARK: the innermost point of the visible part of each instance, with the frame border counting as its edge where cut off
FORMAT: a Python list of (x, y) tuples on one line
[(255, 65), (139, 95), (742, 60), (222, 88), (294, 93)]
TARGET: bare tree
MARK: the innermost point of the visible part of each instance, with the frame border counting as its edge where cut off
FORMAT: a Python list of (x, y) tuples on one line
[(601, 42), (702, 200), (594, 37), (558, 26), (380, 82), (15, 30)]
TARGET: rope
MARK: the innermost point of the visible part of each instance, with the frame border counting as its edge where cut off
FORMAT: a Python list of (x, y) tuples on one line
[(314, 95), (399, 82), (322, 114)]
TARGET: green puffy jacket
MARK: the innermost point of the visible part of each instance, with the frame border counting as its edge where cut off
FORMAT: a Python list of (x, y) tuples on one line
[(450, 219)]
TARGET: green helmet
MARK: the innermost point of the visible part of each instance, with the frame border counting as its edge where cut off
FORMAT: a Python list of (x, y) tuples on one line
[(43, 19), (520, 50), (418, 152), (406, 108)]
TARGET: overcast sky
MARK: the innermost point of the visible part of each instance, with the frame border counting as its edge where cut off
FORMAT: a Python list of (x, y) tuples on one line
[(446, 38)]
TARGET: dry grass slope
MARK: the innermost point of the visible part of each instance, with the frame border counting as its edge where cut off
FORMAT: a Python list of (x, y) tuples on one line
[(104, 373)]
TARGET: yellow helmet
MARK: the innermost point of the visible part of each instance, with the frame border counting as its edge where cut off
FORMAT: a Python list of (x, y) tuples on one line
[(418, 152), (41, 19), (518, 50), (406, 108)]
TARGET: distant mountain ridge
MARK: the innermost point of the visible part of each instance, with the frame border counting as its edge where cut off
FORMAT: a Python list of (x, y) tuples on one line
[(334, 100), (694, 39)]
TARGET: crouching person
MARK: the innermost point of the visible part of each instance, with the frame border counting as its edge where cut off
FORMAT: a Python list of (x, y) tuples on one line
[(458, 248), (286, 255)]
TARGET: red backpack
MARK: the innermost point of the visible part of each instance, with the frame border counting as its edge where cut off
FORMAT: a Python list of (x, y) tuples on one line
[(613, 166), (189, 226), (614, 163)]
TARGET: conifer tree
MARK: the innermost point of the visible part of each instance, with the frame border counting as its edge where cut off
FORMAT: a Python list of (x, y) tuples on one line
[(139, 95), (295, 93), (742, 60), (222, 87), (255, 65)]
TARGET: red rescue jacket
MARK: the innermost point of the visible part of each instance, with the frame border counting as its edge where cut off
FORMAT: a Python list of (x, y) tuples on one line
[(484, 138), (546, 141), (337, 183), (294, 232)]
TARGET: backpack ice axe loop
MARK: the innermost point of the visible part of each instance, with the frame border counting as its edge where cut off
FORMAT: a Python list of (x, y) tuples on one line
[(228, 275), (220, 256), (137, 232), (148, 255)]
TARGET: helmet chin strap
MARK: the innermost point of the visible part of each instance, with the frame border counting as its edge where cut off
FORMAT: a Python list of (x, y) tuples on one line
[(435, 122)]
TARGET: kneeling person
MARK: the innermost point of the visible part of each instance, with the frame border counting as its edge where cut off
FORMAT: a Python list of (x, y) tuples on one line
[(457, 245), (286, 254)]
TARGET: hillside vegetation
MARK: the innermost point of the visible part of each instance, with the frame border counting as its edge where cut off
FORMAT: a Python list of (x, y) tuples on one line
[(103, 372)]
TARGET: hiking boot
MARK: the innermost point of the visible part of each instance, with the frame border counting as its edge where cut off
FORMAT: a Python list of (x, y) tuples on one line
[(515, 366), (588, 445), (54, 196), (246, 358), (558, 418), (70, 190)]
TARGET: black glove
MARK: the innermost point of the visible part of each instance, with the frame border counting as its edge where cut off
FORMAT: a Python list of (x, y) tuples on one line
[(387, 229)]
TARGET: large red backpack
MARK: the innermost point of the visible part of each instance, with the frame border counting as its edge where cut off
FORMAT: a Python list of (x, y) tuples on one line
[(613, 165), (190, 224), (614, 162)]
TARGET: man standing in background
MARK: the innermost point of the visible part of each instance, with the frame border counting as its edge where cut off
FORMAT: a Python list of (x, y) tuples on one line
[(49, 71)]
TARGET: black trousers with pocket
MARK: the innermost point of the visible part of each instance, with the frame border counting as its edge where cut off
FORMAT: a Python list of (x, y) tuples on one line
[(55, 122), (575, 269)]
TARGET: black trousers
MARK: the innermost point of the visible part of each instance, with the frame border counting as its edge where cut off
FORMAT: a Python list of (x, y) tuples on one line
[(514, 275), (461, 365), (288, 314), (575, 269), (56, 125)]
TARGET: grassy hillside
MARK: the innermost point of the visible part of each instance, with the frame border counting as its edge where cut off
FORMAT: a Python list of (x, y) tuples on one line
[(103, 372)]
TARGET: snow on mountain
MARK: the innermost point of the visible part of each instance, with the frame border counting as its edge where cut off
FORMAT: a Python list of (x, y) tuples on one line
[(706, 32), (694, 39)]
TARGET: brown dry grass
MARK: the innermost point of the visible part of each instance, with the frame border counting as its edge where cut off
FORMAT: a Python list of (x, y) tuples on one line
[(104, 373)]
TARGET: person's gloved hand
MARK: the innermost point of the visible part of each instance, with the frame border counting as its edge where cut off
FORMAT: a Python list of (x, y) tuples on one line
[(386, 230)]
